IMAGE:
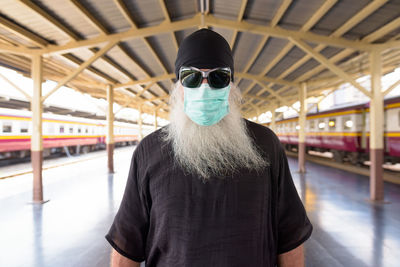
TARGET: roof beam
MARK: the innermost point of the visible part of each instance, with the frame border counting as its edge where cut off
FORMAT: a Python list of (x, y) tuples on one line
[(261, 78), (360, 16), (275, 20), (104, 30), (391, 44), (330, 86), (355, 74), (89, 16), (64, 29), (332, 67), (87, 63), (78, 62), (126, 35), (366, 11), (322, 98), (168, 20), (147, 87), (307, 26), (22, 32), (270, 91), (239, 18), (391, 26), (283, 33), (390, 88), (146, 80), (27, 96), (158, 98), (18, 50), (343, 54)]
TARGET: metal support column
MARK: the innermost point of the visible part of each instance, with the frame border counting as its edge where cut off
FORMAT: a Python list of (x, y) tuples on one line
[(140, 124), (110, 128), (376, 128), (302, 124), (36, 138), (155, 121)]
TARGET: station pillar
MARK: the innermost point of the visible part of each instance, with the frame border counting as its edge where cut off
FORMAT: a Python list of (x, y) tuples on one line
[(36, 137), (273, 119), (140, 124), (376, 128), (155, 121), (302, 130), (110, 129)]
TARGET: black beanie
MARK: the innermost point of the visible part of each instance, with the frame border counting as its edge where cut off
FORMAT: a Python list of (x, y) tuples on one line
[(204, 49)]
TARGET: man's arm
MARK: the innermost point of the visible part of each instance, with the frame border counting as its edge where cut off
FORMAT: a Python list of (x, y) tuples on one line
[(117, 260), (293, 258)]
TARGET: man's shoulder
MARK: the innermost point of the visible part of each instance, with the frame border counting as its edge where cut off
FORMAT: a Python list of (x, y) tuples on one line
[(260, 131), (155, 138), (152, 143)]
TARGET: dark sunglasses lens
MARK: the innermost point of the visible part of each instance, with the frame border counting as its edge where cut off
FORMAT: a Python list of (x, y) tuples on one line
[(190, 78), (219, 79)]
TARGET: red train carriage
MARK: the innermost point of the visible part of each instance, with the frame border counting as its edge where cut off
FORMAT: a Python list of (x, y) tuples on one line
[(60, 133), (345, 132)]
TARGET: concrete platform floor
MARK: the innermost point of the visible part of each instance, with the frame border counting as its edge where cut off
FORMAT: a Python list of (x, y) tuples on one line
[(69, 229)]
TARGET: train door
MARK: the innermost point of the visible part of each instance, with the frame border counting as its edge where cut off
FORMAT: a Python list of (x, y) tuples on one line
[(385, 130), (364, 123)]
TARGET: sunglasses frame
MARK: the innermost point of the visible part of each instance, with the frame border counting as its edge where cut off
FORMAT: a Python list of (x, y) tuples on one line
[(205, 74)]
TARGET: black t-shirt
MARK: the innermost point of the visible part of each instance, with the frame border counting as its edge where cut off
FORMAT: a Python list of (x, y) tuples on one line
[(169, 219)]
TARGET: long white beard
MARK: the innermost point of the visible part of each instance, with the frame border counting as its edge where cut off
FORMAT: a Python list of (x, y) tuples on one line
[(217, 150)]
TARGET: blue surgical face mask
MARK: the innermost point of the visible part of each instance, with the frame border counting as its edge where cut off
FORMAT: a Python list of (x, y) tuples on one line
[(206, 106)]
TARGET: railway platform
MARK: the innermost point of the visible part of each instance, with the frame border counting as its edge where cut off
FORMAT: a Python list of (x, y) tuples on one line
[(69, 230)]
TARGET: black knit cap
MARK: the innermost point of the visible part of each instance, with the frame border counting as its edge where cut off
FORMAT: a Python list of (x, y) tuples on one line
[(204, 49)]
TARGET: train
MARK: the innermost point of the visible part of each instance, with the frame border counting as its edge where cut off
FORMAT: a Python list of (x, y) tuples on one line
[(344, 132), (61, 134)]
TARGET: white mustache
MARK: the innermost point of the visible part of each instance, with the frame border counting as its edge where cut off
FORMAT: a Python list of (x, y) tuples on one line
[(212, 151)]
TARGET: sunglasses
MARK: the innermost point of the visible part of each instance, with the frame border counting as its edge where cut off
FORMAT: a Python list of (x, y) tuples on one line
[(217, 78)]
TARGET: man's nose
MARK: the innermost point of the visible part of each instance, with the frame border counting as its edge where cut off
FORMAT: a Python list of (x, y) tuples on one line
[(204, 80)]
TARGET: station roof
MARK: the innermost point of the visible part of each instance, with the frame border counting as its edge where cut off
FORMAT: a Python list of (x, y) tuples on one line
[(132, 45)]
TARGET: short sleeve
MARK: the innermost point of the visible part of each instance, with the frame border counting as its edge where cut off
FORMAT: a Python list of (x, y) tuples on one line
[(294, 226), (128, 232)]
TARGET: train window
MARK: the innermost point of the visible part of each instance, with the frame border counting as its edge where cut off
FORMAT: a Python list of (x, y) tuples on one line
[(51, 128), (321, 125), (332, 123), (347, 123), (24, 126), (79, 129), (7, 126), (398, 116), (297, 127), (312, 124), (71, 130), (61, 128), (86, 130)]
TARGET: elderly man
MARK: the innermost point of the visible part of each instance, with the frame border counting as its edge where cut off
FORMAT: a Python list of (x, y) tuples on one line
[(211, 188)]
